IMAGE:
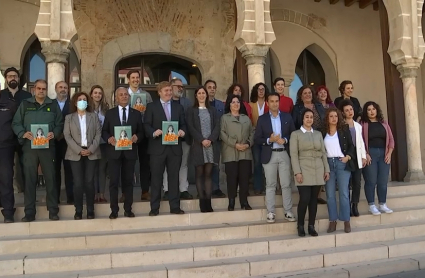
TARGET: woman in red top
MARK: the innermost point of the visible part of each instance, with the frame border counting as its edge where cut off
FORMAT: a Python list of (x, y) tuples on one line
[(237, 89), (286, 104)]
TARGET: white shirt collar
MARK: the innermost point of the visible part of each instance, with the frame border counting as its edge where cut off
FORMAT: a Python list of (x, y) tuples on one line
[(305, 130), (131, 92), (121, 107), (162, 102)]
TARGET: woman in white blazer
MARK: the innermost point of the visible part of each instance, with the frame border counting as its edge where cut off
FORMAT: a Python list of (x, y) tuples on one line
[(346, 107), (82, 134)]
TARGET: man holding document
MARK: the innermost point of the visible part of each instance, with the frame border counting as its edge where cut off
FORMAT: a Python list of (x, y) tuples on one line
[(165, 126), (122, 130)]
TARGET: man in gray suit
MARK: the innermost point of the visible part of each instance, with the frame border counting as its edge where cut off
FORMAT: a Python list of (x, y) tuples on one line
[(177, 87)]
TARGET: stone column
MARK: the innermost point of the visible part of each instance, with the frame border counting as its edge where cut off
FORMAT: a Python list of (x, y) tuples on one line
[(255, 56), (415, 172), (56, 54)]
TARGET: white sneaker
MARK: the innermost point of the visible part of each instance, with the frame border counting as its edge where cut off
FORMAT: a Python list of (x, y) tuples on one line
[(290, 217), (271, 217), (385, 209), (374, 210)]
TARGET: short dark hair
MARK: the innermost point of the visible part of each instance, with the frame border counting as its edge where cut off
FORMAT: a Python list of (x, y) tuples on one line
[(254, 92), (277, 80), (207, 100), (273, 94), (379, 114), (229, 100), (40, 81), (345, 102), (305, 111), (342, 86), (210, 81), (300, 92), (233, 86), (74, 100), (131, 72), (11, 69)]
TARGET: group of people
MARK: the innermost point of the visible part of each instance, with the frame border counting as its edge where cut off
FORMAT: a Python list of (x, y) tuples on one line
[(315, 142)]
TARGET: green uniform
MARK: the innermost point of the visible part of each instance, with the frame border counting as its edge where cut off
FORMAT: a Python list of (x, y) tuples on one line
[(31, 112)]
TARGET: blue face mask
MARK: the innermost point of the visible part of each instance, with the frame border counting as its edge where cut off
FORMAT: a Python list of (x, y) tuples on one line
[(82, 105)]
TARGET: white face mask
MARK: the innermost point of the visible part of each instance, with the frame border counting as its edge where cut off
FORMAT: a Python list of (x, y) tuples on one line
[(82, 105)]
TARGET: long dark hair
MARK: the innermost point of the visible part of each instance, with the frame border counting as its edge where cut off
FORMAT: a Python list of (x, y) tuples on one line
[(207, 100), (300, 92), (229, 100), (233, 86), (379, 114), (74, 100), (254, 92), (104, 106), (339, 126), (342, 86)]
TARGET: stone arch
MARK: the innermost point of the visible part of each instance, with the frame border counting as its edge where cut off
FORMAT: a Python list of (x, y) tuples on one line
[(27, 45)]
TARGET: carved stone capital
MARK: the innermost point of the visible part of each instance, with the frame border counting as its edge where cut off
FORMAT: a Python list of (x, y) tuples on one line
[(254, 54), (407, 71), (55, 51)]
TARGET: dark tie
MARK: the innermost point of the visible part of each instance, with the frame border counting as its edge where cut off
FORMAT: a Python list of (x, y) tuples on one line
[(124, 116)]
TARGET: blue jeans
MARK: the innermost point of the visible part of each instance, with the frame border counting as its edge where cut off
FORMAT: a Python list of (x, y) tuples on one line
[(338, 175), (258, 168), (215, 174), (376, 174)]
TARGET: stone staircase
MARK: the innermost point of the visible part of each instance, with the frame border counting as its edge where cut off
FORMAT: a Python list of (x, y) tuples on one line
[(219, 244)]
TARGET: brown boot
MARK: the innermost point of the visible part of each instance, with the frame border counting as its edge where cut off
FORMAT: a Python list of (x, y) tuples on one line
[(145, 196), (332, 227), (122, 199), (347, 227)]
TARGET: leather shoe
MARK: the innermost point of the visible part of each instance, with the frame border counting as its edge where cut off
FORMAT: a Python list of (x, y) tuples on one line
[(177, 211), (113, 215), (90, 215), (145, 196), (301, 231), (332, 227), (154, 212), (231, 206), (320, 201), (347, 226), (246, 206), (129, 214), (9, 219), (28, 218), (53, 216), (355, 210), (78, 216), (312, 231)]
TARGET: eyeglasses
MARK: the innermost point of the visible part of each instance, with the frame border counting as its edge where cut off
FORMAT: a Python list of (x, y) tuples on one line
[(235, 102), (178, 86)]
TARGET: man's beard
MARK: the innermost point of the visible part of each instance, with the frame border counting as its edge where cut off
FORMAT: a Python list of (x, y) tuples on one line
[(13, 84)]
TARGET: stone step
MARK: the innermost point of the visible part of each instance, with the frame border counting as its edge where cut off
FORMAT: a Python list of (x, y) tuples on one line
[(235, 267), (143, 208)]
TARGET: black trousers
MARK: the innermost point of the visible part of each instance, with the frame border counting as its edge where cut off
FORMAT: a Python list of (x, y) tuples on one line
[(308, 199), (20, 153), (7, 156), (121, 168), (61, 147), (145, 168), (238, 173), (46, 158), (356, 180), (83, 172), (173, 162)]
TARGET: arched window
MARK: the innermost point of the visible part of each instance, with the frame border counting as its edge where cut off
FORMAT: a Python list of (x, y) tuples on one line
[(156, 68), (310, 70), (34, 67)]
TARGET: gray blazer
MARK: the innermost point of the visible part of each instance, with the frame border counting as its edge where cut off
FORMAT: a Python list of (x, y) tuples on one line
[(72, 134)]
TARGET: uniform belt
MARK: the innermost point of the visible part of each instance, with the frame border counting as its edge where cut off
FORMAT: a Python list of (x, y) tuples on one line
[(278, 150)]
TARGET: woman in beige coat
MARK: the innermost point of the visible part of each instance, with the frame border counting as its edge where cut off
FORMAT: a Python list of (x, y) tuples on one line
[(311, 169), (237, 136)]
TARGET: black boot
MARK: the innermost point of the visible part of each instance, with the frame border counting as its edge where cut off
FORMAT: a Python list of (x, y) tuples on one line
[(202, 205), (355, 209), (246, 206), (231, 206), (208, 206), (301, 231), (312, 231)]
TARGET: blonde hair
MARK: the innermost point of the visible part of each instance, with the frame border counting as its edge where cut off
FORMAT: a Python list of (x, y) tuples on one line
[(162, 85)]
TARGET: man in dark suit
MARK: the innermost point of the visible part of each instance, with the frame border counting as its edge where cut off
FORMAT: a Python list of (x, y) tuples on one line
[(121, 163), (62, 98), (272, 133), (162, 156)]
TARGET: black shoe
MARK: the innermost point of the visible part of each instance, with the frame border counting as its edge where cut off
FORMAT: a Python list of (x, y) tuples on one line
[(113, 215), (301, 231), (208, 206), (321, 201), (185, 196), (53, 216), (177, 211), (129, 214), (218, 194), (9, 219), (231, 206), (154, 212), (312, 231), (202, 205), (165, 197), (90, 215), (28, 218), (246, 206), (355, 209), (78, 216), (70, 201)]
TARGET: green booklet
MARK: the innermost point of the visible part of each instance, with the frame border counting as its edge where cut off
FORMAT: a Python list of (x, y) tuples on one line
[(123, 136), (138, 102), (39, 133), (170, 131)]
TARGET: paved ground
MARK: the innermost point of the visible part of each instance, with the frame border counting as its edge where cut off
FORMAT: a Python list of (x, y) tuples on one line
[(410, 274)]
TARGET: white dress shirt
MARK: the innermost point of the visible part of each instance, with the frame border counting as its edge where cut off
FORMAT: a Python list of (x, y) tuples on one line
[(83, 128), (305, 130), (127, 108)]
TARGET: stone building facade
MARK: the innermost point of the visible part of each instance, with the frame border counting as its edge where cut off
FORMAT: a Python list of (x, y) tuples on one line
[(229, 39)]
